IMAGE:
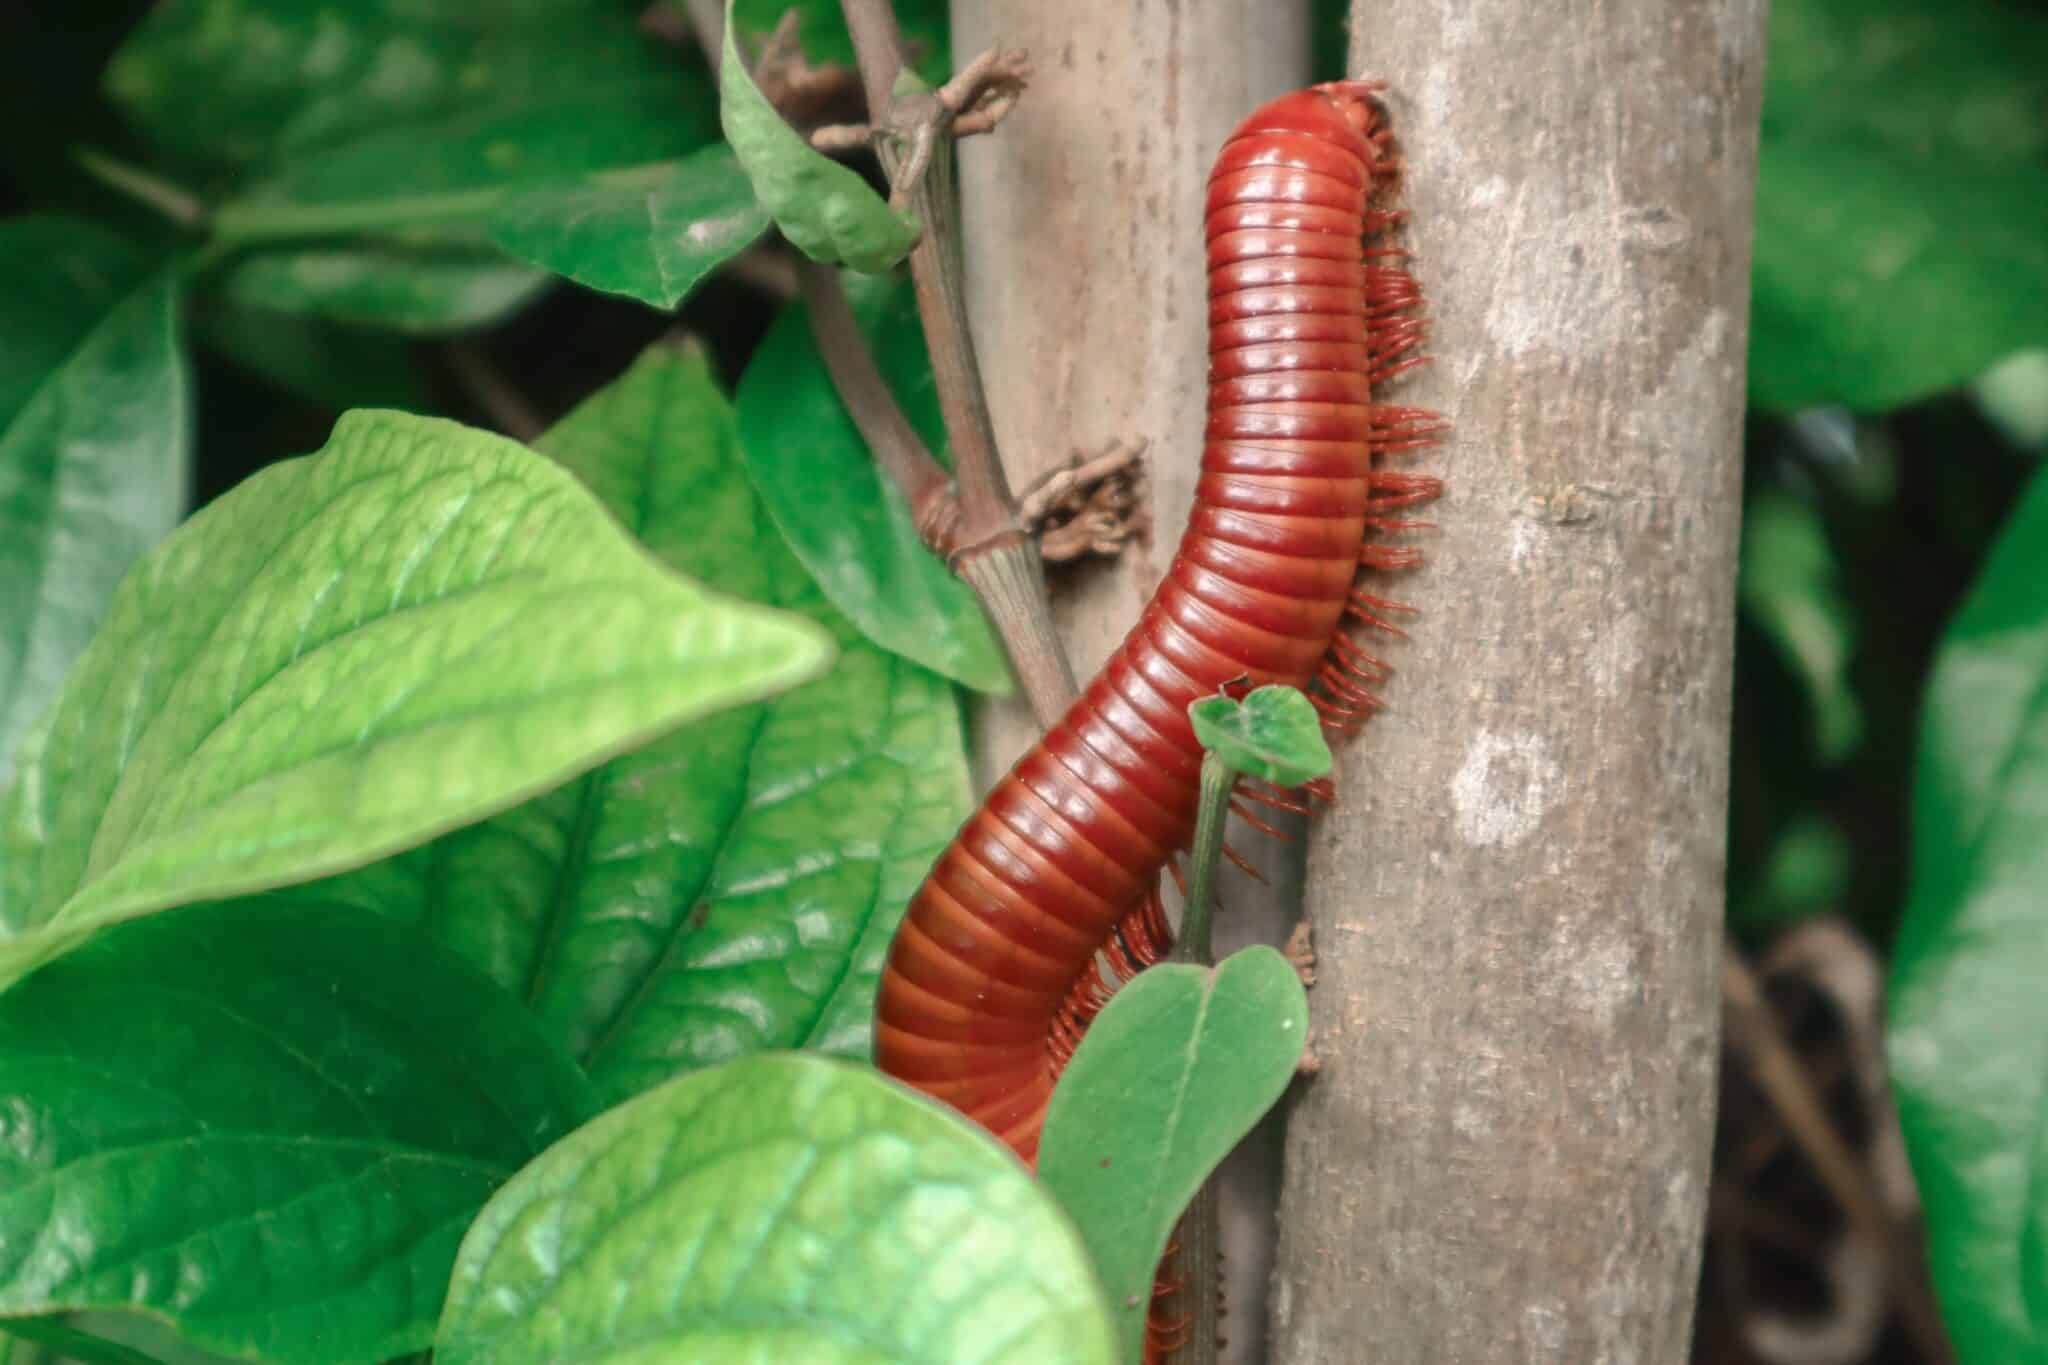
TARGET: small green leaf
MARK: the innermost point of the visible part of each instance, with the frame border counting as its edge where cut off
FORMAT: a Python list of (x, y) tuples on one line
[(1791, 588), (1169, 1077), (825, 210), (1901, 231), (847, 522), (1968, 1018), (95, 445), (650, 241), (1273, 734), (268, 1121), (347, 655), (781, 1208), (733, 886)]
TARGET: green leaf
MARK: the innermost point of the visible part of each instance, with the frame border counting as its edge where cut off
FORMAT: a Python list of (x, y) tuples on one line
[(95, 444), (1901, 229), (424, 290), (1170, 1076), (775, 1209), (733, 886), (68, 1343), (1791, 587), (1969, 1020), (1274, 733), (845, 520), (823, 39), (351, 653), (333, 364), (267, 1121), (650, 241), (825, 210)]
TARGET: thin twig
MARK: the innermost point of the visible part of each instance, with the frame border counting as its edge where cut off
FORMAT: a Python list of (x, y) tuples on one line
[(1753, 1028), (995, 555), (490, 390), (896, 445)]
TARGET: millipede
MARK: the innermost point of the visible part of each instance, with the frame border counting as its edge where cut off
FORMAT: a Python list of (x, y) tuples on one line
[(1049, 896)]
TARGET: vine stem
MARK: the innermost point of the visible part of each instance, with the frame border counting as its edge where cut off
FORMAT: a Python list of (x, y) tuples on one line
[(1193, 944), (993, 552)]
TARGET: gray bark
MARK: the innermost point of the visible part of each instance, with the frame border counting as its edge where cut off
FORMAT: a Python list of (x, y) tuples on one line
[(1082, 222), (1517, 900)]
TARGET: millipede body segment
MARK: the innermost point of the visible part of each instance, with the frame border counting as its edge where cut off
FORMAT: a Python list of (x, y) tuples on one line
[(1049, 894)]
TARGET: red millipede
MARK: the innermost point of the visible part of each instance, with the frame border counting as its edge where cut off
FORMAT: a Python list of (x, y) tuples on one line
[(1048, 896)]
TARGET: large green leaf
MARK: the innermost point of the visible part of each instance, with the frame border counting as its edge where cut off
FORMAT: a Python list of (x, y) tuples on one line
[(95, 440), (734, 886), (1969, 1020), (268, 1121), (1170, 1077), (845, 520), (651, 240), (1901, 221), (775, 1209), (375, 140), (826, 210), (350, 653)]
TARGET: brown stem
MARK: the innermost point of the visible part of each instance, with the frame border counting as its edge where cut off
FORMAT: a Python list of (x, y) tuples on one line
[(990, 528), (1752, 1027), (896, 446), (487, 387)]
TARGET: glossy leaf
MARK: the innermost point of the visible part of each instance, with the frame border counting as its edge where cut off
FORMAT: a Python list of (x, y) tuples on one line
[(348, 654), (95, 445), (1969, 1020), (1901, 238), (731, 887), (279, 1146), (775, 1209), (651, 240), (1170, 1076), (824, 41), (827, 211), (847, 523), (1274, 734), (417, 290)]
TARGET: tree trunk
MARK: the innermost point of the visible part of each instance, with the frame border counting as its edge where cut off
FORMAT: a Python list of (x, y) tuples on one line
[(1517, 900), (1082, 221)]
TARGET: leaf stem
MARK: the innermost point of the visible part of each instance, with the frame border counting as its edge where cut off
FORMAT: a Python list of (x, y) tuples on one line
[(1218, 779), (172, 200)]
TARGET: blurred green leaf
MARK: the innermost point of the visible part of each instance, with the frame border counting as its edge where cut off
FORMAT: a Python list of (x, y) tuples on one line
[(424, 290), (1902, 199), (1791, 585), (95, 445), (827, 211), (1807, 874), (846, 521), (1170, 1076), (280, 1142), (2014, 395), (731, 887), (334, 364), (1969, 1019), (349, 654), (780, 1208), (823, 39), (1274, 733), (651, 241)]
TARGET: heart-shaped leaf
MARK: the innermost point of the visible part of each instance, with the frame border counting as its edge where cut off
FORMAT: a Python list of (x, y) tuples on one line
[(1170, 1076), (1274, 733), (1969, 1021), (825, 210), (651, 239), (267, 1121), (95, 445), (347, 655), (733, 886), (847, 522), (780, 1208)]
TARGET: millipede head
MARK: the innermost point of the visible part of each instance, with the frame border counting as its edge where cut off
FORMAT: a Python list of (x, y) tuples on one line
[(1356, 99)]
